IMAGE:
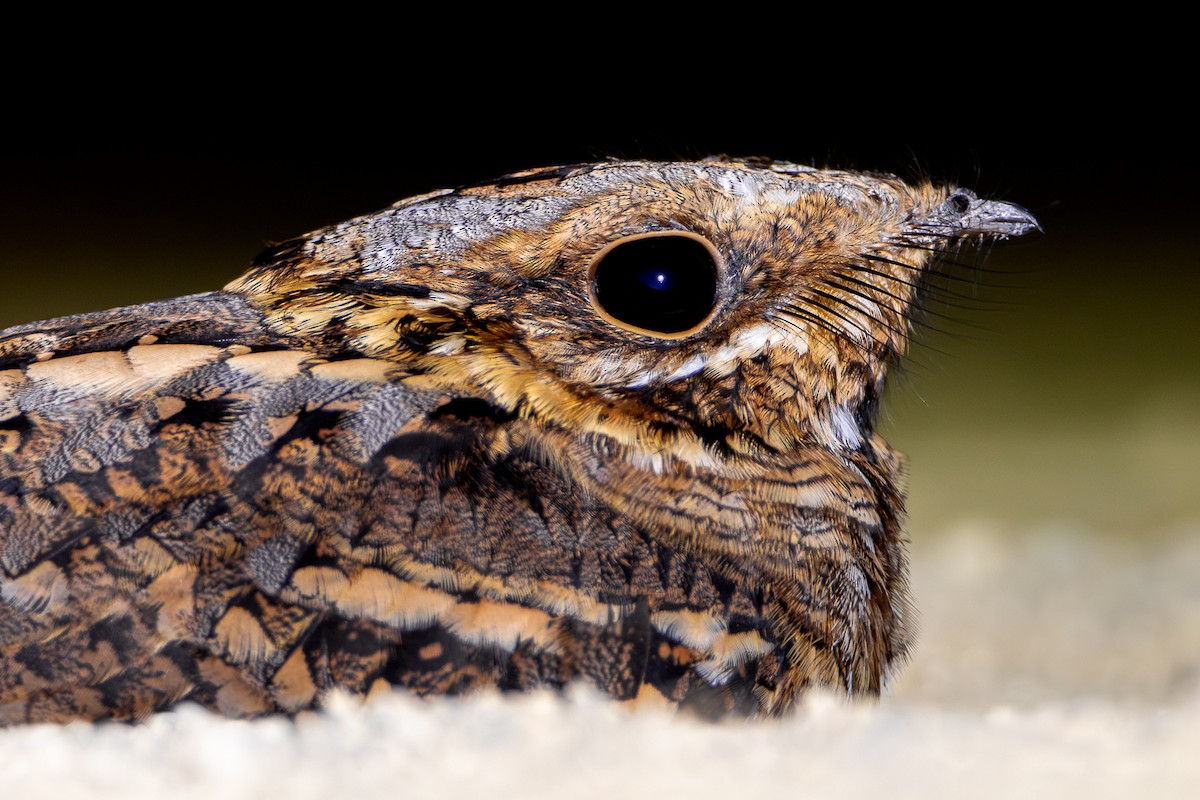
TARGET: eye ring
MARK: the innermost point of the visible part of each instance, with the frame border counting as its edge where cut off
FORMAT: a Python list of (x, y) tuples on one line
[(700, 295)]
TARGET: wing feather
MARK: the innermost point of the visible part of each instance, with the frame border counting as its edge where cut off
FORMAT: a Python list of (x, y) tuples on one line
[(193, 508)]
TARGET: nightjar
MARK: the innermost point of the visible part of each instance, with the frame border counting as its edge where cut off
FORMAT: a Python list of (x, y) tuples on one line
[(605, 422)]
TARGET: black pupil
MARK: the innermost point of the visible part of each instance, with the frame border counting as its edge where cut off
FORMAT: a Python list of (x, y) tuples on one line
[(664, 284)]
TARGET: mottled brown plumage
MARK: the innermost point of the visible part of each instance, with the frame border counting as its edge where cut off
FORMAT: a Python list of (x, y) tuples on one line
[(417, 449)]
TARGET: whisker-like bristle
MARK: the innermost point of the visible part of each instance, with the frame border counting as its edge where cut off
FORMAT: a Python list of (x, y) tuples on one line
[(923, 287), (866, 332), (878, 320), (910, 308), (807, 316)]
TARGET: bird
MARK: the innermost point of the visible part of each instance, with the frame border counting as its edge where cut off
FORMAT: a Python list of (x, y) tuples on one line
[(605, 423)]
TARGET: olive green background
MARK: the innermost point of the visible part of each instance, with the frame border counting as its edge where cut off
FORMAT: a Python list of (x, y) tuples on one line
[(1068, 390)]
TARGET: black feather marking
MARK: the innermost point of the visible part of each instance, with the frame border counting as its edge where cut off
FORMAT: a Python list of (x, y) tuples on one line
[(357, 288), (279, 252), (472, 408), (423, 447), (554, 173), (197, 412)]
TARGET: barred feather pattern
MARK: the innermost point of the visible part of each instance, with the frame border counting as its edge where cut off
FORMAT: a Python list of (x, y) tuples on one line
[(408, 450)]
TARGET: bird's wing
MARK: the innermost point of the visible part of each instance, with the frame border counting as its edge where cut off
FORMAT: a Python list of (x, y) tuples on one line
[(194, 508)]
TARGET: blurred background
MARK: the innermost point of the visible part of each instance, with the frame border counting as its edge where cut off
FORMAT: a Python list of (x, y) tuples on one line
[(1052, 426)]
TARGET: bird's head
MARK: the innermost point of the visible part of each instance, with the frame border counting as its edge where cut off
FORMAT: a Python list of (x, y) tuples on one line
[(671, 306)]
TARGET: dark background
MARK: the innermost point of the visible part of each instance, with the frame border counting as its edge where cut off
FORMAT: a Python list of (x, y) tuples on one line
[(1075, 400)]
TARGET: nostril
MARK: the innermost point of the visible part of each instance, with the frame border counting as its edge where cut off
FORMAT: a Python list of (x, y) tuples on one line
[(960, 202)]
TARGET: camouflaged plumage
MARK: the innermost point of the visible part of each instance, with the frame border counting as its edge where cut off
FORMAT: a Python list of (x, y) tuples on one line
[(410, 450)]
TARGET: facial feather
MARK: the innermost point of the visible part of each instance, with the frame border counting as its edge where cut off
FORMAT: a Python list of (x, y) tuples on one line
[(489, 286)]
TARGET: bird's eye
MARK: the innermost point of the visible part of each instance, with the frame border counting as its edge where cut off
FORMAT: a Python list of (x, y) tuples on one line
[(664, 284)]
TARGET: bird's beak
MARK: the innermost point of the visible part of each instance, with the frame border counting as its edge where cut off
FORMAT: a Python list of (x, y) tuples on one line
[(964, 214)]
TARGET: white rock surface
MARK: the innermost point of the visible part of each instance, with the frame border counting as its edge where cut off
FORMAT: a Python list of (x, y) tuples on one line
[(1050, 664)]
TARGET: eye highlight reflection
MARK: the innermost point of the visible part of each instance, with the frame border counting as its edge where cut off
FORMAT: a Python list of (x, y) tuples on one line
[(663, 284)]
